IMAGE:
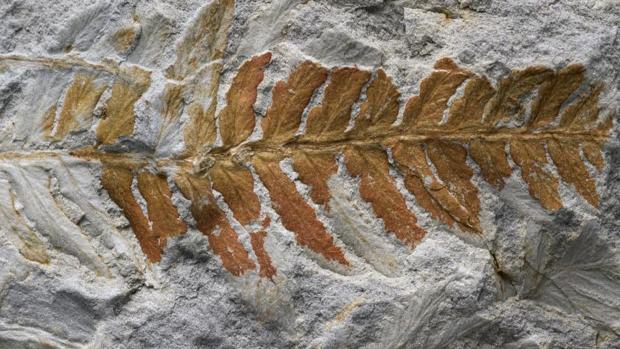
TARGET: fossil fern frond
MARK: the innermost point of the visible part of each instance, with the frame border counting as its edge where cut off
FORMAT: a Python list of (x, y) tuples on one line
[(458, 117), (490, 125)]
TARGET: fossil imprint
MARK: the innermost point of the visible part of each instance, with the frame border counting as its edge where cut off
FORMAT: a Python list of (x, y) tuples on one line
[(456, 116), (545, 123)]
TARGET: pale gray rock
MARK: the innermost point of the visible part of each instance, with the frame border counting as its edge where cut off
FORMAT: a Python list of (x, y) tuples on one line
[(534, 279)]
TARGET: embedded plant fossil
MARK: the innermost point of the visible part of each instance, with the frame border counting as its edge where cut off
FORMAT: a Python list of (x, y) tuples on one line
[(458, 120)]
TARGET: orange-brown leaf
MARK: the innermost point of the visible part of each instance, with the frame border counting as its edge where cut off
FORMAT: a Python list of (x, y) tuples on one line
[(237, 118), (330, 119), (201, 130), (119, 117), (583, 112), (426, 109), (467, 111), (315, 169), (450, 160), (297, 216), (378, 188), (210, 217), (446, 63), (267, 270), (289, 100), (117, 182), (236, 185), (567, 159), (380, 109), (492, 159), (172, 102), (507, 103), (429, 191), (161, 212), (553, 93), (435, 199), (204, 40), (543, 185), (79, 103)]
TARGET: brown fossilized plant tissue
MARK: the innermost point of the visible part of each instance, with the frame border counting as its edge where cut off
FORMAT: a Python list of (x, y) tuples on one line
[(444, 140)]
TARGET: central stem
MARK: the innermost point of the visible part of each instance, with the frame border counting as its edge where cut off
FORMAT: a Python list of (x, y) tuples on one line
[(245, 151)]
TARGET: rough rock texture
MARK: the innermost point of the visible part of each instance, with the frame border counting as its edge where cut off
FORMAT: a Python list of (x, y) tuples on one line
[(312, 174)]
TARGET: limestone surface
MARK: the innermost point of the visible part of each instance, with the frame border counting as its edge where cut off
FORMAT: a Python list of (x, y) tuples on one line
[(309, 174)]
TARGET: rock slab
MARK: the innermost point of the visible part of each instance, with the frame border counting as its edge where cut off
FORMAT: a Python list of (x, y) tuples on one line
[(309, 174)]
